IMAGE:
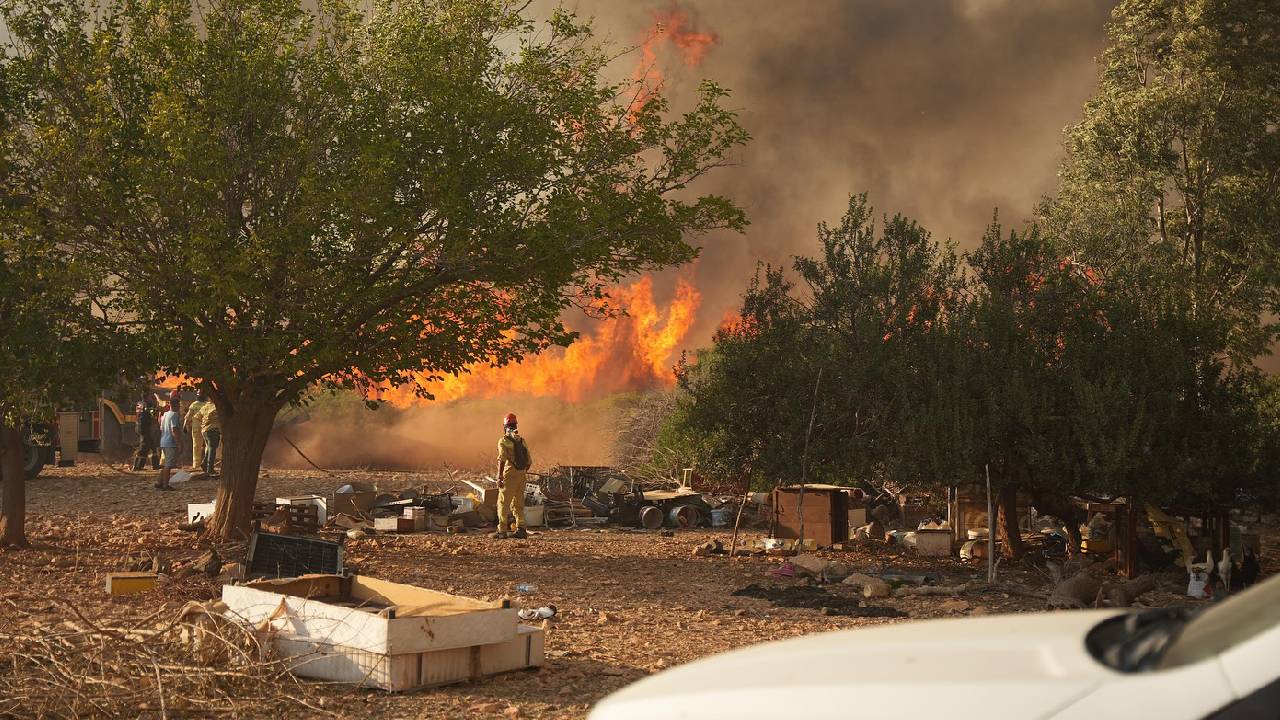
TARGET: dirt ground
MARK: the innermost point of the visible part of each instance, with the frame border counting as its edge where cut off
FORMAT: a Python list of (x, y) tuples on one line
[(631, 603)]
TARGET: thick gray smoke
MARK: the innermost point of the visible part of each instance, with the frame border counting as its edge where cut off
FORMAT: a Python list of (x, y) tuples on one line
[(941, 110)]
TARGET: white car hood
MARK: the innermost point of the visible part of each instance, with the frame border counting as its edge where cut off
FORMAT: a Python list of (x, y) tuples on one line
[(1010, 666)]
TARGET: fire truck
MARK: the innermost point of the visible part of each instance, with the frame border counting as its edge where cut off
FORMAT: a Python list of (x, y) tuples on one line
[(110, 430)]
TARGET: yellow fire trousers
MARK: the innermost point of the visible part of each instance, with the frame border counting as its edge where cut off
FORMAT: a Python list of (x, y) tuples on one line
[(197, 449), (511, 499)]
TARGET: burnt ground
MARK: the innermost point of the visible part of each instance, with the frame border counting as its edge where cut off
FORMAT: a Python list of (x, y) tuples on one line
[(631, 603)]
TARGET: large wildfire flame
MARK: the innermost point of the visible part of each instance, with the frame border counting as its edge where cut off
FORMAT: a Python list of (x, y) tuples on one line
[(626, 353), (671, 25)]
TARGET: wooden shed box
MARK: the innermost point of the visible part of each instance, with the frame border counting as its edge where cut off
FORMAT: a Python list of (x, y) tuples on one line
[(826, 513), (382, 634)]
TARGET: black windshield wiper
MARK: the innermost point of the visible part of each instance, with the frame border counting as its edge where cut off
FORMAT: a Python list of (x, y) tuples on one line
[(1134, 642)]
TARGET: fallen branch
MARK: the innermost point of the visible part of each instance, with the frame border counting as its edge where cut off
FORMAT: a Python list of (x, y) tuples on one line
[(304, 455)]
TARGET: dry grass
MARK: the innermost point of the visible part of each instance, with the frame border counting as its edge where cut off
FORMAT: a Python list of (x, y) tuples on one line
[(193, 662)]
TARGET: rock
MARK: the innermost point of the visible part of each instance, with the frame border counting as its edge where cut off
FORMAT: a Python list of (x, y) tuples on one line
[(605, 618), (836, 571), (980, 610), (872, 587), (953, 606), (357, 534), (809, 564)]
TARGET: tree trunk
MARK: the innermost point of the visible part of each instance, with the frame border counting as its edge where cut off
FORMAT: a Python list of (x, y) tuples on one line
[(1007, 516), (246, 426), (13, 512)]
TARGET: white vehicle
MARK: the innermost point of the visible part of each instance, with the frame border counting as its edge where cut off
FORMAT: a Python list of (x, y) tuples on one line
[(1221, 662)]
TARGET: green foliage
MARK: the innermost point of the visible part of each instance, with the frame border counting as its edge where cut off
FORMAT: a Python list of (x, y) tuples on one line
[(286, 196), (1020, 360), (56, 346), (1172, 178), (865, 314)]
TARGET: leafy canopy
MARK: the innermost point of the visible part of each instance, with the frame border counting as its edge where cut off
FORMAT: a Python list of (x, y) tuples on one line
[(286, 194)]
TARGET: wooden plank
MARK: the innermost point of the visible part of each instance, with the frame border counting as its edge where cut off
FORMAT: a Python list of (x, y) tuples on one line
[(405, 596)]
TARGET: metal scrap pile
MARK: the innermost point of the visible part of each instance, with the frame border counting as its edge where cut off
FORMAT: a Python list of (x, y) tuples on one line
[(593, 495)]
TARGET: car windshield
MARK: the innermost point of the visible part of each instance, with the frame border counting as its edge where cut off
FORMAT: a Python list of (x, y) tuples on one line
[(1225, 624)]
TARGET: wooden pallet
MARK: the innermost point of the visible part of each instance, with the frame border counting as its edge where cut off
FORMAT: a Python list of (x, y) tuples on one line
[(302, 517)]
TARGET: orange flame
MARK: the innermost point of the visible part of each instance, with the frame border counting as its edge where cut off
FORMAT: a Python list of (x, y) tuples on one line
[(670, 25), (626, 353)]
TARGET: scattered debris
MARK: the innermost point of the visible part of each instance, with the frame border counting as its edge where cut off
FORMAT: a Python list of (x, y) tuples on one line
[(871, 587), (785, 570), (211, 563), (816, 598), (809, 565), (130, 583), (709, 548)]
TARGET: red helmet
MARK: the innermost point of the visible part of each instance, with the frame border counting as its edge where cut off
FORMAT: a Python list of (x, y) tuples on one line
[(509, 420)]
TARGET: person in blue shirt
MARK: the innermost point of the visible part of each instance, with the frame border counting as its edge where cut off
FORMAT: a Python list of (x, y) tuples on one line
[(170, 431)]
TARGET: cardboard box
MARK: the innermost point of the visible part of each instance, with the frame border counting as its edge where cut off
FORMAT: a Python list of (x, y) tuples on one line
[(535, 515), (934, 543), (485, 494), (857, 518), (356, 503), (195, 511), (399, 523)]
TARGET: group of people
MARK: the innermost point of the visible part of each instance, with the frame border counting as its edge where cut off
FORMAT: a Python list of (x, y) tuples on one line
[(161, 435)]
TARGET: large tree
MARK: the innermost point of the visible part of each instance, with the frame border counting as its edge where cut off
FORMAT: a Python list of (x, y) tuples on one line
[(290, 194), (865, 314), (1172, 178), (56, 345)]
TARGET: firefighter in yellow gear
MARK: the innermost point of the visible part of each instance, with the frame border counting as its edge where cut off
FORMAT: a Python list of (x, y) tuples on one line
[(513, 464), (191, 421)]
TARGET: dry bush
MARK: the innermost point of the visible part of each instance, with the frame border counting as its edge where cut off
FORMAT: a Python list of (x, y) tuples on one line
[(193, 663)]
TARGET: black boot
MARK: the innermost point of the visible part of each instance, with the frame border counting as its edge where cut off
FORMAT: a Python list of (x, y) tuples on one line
[(519, 534)]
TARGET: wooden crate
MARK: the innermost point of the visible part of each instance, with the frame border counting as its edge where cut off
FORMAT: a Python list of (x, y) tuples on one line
[(826, 513), (302, 517), (411, 671), (382, 634)]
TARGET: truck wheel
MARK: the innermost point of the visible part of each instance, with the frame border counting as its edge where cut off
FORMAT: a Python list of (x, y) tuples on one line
[(32, 461)]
